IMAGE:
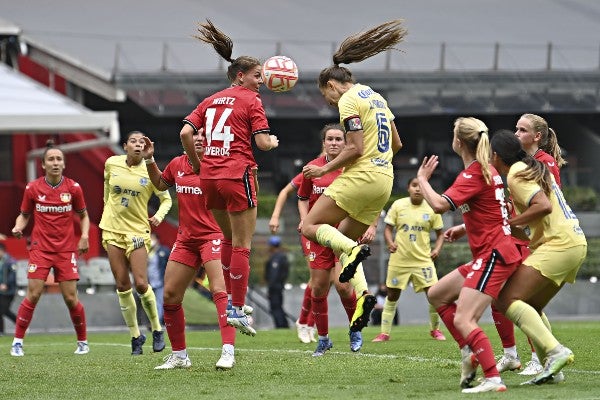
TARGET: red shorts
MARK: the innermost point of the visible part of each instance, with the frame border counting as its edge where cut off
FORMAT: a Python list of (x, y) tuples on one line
[(196, 253), (320, 257), (64, 264), (487, 275), (523, 250), (230, 194), (305, 246)]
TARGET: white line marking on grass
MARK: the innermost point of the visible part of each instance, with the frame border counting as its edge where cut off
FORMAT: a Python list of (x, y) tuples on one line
[(295, 351)]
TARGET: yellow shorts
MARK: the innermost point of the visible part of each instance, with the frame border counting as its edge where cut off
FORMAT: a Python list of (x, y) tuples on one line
[(421, 277), (560, 266), (127, 241), (362, 194)]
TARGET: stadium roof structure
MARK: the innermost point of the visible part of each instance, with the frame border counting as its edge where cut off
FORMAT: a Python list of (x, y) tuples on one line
[(27, 106), (479, 56)]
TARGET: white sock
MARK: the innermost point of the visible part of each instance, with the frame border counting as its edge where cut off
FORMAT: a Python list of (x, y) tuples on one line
[(17, 340), (181, 353), (534, 357), (229, 348), (511, 351)]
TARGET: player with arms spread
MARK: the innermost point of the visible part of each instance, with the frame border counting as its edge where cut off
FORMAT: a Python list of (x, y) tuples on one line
[(230, 119)]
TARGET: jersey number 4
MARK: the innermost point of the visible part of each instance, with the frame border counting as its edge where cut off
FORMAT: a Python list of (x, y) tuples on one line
[(220, 131)]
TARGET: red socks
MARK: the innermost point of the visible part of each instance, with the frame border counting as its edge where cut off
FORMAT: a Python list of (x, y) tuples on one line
[(175, 325), (77, 314), (320, 312)]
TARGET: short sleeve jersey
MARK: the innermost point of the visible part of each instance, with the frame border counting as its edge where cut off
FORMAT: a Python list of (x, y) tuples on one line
[(52, 208), (559, 229), (127, 190), (312, 188), (413, 224), (296, 181), (550, 162), (361, 108), (484, 212), (195, 221), (230, 119)]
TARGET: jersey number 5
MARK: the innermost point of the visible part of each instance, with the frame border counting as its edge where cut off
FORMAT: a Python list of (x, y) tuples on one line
[(383, 133)]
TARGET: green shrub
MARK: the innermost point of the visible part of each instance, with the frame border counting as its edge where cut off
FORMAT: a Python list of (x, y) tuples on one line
[(266, 204), (581, 198)]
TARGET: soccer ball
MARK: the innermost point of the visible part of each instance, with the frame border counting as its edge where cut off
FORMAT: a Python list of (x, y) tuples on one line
[(280, 73)]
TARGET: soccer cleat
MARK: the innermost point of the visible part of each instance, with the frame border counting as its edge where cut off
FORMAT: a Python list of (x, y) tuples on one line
[(303, 332), (437, 334), (558, 378), (356, 341), (382, 337), (487, 385), (17, 350), (468, 369), (351, 261), (241, 323), (364, 306), (172, 361), (82, 348), (136, 345), (227, 360), (248, 310), (557, 359), (158, 341), (533, 367), (322, 347), (508, 362)]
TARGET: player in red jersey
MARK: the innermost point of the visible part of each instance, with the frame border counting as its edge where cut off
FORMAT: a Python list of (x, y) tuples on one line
[(461, 296), (539, 140), (230, 119), (52, 199), (198, 244), (324, 266)]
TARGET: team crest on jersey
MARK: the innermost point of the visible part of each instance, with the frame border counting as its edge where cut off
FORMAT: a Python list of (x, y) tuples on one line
[(312, 256), (65, 197), (32, 268), (144, 181), (425, 217)]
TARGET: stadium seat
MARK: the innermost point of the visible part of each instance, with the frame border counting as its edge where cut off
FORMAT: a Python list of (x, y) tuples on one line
[(21, 266), (99, 272)]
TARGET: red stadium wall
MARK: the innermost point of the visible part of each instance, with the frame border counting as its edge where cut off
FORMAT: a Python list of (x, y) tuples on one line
[(85, 167)]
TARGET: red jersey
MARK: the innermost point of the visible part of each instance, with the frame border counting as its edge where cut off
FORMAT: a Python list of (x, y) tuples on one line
[(484, 212), (312, 189), (550, 162), (297, 181), (52, 208), (195, 221), (230, 119)]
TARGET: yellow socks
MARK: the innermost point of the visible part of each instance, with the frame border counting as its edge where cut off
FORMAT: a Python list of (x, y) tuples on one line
[(387, 316), (129, 311), (330, 237), (148, 301), (530, 322), (434, 318), (359, 281)]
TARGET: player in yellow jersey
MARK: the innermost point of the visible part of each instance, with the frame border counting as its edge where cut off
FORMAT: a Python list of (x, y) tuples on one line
[(558, 248), (355, 199), (411, 256), (125, 228)]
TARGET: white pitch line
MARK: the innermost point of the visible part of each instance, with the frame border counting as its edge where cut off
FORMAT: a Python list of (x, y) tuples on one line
[(296, 351)]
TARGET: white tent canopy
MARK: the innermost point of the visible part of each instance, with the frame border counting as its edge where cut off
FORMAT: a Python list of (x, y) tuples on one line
[(27, 106)]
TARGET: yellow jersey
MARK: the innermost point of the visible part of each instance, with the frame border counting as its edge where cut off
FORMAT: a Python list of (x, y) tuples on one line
[(127, 191), (361, 108), (559, 229), (413, 224)]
